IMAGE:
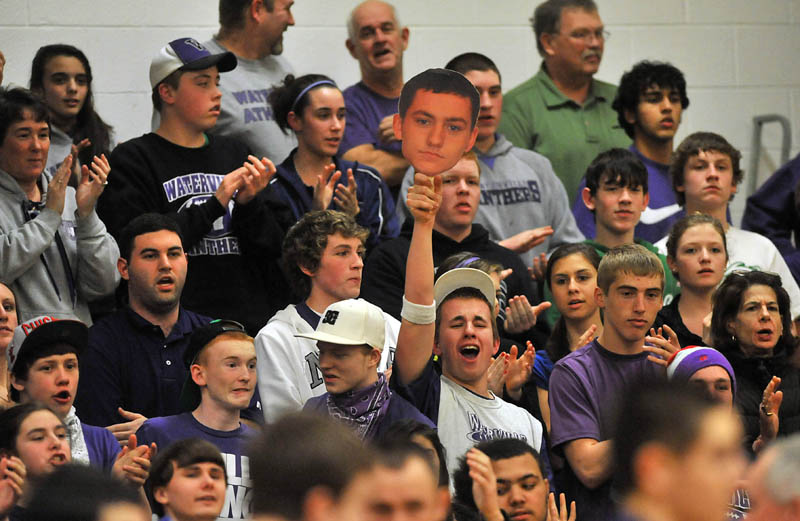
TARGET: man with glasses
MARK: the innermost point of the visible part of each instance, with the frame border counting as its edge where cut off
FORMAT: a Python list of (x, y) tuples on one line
[(562, 112), (221, 359)]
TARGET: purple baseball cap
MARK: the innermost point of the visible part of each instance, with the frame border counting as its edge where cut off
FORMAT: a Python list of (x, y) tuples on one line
[(187, 54)]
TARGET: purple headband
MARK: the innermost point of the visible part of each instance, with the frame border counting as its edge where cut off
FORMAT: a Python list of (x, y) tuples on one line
[(466, 262), (304, 91)]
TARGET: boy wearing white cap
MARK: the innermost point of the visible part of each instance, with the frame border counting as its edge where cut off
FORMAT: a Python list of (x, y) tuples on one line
[(453, 319), (201, 179), (350, 338)]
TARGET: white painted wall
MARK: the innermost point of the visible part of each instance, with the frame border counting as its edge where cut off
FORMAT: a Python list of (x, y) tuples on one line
[(739, 56)]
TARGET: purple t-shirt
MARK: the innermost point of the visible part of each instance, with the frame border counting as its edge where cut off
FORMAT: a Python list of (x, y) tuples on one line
[(585, 390), (661, 212), (365, 110), (165, 430), (103, 447)]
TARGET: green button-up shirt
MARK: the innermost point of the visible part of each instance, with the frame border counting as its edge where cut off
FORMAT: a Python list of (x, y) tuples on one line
[(538, 116)]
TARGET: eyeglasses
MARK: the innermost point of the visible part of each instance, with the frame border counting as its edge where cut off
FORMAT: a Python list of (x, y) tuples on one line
[(586, 35)]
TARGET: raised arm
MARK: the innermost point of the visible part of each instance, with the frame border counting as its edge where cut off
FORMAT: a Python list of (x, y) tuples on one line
[(415, 341)]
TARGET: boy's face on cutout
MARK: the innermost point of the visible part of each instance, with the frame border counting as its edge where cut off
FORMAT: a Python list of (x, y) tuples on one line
[(436, 131)]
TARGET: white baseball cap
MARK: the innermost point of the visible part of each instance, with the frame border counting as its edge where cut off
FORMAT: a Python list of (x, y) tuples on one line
[(351, 322), (459, 278)]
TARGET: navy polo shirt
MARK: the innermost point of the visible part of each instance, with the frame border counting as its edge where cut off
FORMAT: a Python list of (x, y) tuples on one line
[(130, 364)]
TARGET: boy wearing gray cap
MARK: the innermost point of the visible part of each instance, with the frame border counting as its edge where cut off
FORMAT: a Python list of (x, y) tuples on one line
[(179, 169)]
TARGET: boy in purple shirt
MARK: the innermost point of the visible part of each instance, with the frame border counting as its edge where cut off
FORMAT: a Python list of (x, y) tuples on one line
[(587, 383), (222, 362), (350, 339)]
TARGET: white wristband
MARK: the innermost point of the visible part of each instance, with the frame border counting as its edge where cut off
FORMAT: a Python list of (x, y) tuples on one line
[(418, 313)]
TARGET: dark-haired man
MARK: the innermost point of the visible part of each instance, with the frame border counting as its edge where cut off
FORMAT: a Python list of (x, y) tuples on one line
[(377, 40), (132, 366), (253, 31), (650, 101), (563, 112)]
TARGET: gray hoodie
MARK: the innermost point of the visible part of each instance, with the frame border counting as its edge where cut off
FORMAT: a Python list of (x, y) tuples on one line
[(32, 266), (519, 191)]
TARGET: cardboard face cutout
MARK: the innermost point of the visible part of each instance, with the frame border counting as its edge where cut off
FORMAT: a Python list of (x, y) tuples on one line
[(438, 123)]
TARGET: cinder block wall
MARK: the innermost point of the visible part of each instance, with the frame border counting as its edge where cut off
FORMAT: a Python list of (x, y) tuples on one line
[(739, 56)]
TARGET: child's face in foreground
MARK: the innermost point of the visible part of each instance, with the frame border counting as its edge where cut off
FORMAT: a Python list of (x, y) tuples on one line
[(436, 131)]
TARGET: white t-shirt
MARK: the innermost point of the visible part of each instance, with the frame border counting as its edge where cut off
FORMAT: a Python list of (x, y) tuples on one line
[(466, 419), (753, 251), (288, 367)]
